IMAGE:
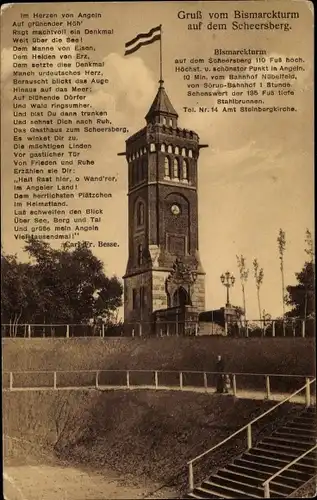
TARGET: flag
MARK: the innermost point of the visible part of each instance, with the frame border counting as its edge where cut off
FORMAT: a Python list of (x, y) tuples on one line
[(142, 39)]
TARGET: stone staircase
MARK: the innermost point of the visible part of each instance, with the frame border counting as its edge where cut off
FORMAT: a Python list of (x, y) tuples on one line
[(243, 477)]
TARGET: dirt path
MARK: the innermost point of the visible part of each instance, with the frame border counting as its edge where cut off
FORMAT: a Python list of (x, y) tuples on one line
[(43, 482)]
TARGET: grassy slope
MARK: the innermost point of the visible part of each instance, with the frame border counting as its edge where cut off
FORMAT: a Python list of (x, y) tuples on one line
[(139, 433), (267, 355), (279, 356)]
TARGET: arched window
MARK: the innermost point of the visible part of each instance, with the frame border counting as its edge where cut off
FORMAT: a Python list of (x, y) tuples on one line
[(133, 179), (140, 254), (163, 148), (140, 213), (164, 120), (152, 147), (190, 153), (169, 149), (183, 152), (136, 172), (175, 169), (176, 150), (143, 169), (167, 167), (185, 170)]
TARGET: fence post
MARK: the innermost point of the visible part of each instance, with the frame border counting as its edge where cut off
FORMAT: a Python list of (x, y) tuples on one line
[(191, 476), (167, 330), (226, 327), (249, 437), (307, 393), (11, 380), (156, 379), (29, 331), (132, 332), (161, 334), (303, 328), (181, 380), (273, 328), (266, 490), (128, 379), (268, 388), (97, 381), (234, 385), (103, 330), (246, 328), (54, 378), (67, 331), (205, 381), (140, 329), (294, 328), (196, 329)]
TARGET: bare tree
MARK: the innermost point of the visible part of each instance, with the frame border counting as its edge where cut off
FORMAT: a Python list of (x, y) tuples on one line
[(309, 250), (281, 241), (244, 274), (258, 276)]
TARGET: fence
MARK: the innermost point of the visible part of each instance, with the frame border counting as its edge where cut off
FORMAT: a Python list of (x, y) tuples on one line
[(60, 330), (290, 327), (267, 384), (248, 430), (246, 328)]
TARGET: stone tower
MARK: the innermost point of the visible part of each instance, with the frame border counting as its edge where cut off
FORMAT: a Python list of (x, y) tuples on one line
[(164, 269)]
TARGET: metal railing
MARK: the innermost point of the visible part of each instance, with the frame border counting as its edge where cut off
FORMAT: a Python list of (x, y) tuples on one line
[(243, 328), (290, 327), (248, 429), (266, 483), (153, 379)]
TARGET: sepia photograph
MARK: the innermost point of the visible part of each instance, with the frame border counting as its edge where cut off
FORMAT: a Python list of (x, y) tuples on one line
[(158, 250)]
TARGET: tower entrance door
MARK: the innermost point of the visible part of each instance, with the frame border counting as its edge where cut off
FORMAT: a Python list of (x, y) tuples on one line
[(181, 298)]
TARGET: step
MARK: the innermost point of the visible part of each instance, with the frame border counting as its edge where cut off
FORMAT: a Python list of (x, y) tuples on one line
[(297, 428), (238, 484), (284, 454), (243, 477), (259, 476), (243, 482), (226, 491), (265, 458), (310, 421), (192, 495), (258, 466), (251, 484), (297, 437), (199, 495), (210, 493), (309, 417), (281, 488), (295, 448)]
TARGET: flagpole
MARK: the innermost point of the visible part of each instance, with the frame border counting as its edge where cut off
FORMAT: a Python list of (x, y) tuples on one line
[(161, 59)]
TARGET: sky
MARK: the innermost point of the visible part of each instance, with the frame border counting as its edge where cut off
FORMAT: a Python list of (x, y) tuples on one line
[(255, 177)]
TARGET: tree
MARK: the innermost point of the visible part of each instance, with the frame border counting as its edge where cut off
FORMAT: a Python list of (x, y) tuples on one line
[(281, 241), (258, 276), (309, 250), (244, 273), (57, 286), (302, 295)]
